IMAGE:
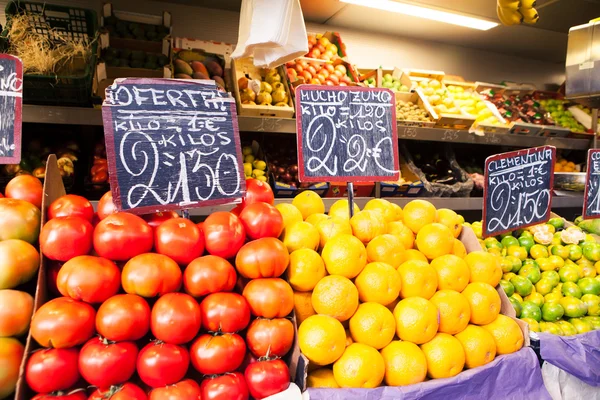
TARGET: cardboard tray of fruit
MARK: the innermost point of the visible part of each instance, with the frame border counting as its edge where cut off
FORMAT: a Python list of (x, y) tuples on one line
[(408, 184), (413, 109), (202, 59), (261, 92), (394, 79)]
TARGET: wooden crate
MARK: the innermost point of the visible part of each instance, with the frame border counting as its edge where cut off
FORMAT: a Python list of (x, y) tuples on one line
[(417, 97)]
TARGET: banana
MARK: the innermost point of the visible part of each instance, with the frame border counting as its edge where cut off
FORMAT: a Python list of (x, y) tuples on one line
[(509, 17), (526, 4), (530, 15), (509, 4)]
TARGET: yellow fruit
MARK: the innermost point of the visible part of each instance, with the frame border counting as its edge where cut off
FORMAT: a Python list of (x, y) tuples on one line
[(386, 248), (373, 324), (360, 366), (366, 225), (445, 356), (301, 235), (306, 268), (398, 213), (450, 219), (417, 279), (435, 240), (309, 203), (459, 249), (321, 339), (417, 214), (412, 254), (335, 296), (453, 272), (332, 227), (484, 267), (479, 346), (315, 218), (455, 311), (344, 255), (382, 206), (303, 306), (321, 378), (378, 282), (406, 236), (507, 334), (484, 301), (405, 363), (341, 209), (290, 215), (416, 320)]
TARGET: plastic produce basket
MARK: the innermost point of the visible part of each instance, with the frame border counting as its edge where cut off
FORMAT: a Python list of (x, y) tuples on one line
[(76, 23)]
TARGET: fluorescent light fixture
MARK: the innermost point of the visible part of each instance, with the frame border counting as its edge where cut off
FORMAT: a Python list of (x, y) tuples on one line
[(426, 12)]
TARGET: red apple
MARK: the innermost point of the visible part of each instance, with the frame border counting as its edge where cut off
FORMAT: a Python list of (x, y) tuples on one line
[(324, 72), (324, 41), (290, 64), (320, 47), (299, 69), (334, 78), (315, 53), (338, 73), (307, 76), (346, 79), (329, 68), (312, 70), (321, 77), (343, 84), (292, 74), (312, 40), (342, 68), (329, 83)]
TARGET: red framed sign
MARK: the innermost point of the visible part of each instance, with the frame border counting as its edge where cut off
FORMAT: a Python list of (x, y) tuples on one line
[(11, 108), (591, 196)]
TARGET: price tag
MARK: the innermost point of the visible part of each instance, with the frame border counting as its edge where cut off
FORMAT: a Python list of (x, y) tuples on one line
[(517, 189), (11, 105), (346, 134), (591, 197), (171, 144)]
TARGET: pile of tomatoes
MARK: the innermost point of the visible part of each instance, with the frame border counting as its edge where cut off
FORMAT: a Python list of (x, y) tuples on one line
[(160, 307)]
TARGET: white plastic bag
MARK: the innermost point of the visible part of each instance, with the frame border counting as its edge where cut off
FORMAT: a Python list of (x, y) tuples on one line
[(564, 386)]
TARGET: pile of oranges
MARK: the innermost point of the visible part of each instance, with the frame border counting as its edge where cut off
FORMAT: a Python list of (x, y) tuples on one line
[(389, 295)]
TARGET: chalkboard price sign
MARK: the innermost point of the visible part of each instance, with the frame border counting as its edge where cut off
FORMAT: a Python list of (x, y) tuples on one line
[(346, 134), (171, 144), (591, 197), (11, 104), (517, 189)]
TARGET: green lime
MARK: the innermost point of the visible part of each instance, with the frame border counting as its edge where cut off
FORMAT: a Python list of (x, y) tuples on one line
[(534, 326), (535, 298), (589, 239), (591, 251), (538, 251), (592, 302), (561, 251), (515, 262), (506, 265), (589, 286), (553, 297), (556, 261), (531, 272), (578, 220), (556, 240), (575, 252), (509, 241), (581, 325), (508, 287), (492, 242), (573, 307), (571, 289), (544, 286), (508, 276), (517, 251), (545, 264), (557, 223), (550, 327), (516, 305), (526, 242), (523, 286), (569, 273), (526, 234), (552, 276), (566, 328), (552, 312), (589, 271), (594, 320), (531, 310)]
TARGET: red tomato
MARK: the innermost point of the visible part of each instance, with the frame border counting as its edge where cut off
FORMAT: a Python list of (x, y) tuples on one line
[(25, 187), (63, 322), (77, 394), (223, 234), (106, 206), (88, 278), (157, 218), (19, 262), (52, 270), (272, 336), (261, 220), (225, 387), (180, 239), (209, 274), (150, 275), (262, 258), (266, 378), (122, 236), (175, 318), (269, 297), (49, 370), (236, 210), (212, 355), (126, 391), (257, 191), (19, 220), (103, 363), (184, 390), (11, 354), (16, 309), (66, 237), (124, 317), (161, 364), (224, 312), (71, 205)]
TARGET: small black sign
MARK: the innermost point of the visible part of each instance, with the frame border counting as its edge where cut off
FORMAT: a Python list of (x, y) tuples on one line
[(11, 104), (591, 198), (346, 134), (517, 189), (171, 144)]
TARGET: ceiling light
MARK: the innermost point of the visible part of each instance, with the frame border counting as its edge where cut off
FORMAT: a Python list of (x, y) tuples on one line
[(426, 12)]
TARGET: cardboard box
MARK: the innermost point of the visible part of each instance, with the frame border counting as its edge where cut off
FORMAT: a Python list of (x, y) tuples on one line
[(417, 97)]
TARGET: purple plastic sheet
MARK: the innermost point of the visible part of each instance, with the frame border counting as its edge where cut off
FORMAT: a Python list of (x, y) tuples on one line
[(514, 376), (578, 355)]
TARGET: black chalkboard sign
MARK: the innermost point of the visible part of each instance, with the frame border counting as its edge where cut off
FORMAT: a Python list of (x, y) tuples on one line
[(517, 189), (346, 134), (11, 105), (171, 144), (591, 197)]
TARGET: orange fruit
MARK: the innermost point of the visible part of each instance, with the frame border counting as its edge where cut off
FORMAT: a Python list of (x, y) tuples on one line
[(484, 301), (478, 344), (507, 334), (453, 272), (306, 268), (366, 225), (393, 304), (406, 236), (378, 282), (459, 249), (303, 306), (321, 339), (349, 340), (309, 203), (386, 248), (418, 278), (484, 267), (341, 209), (412, 254), (335, 296), (445, 356), (301, 235), (435, 240), (454, 309), (398, 213), (360, 366), (290, 215), (344, 255), (417, 214), (332, 227), (450, 219), (315, 218), (384, 207), (416, 320), (405, 363), (321, 378), (373, 324)]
